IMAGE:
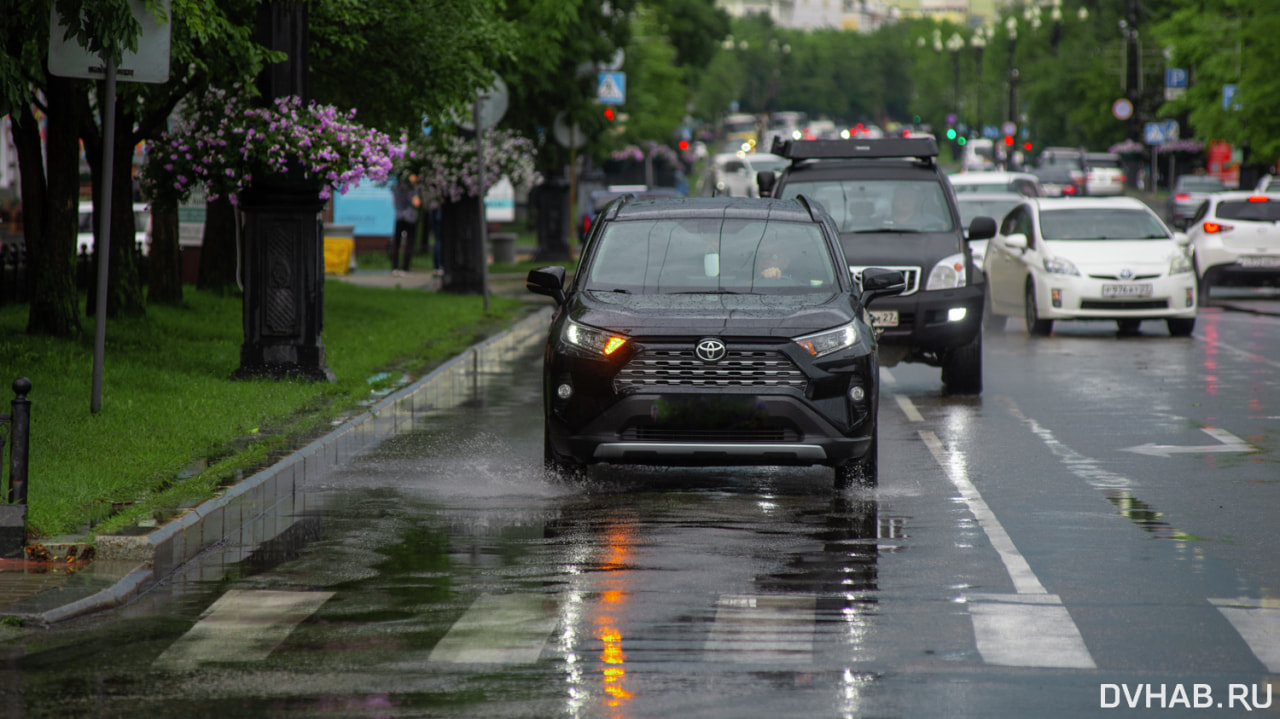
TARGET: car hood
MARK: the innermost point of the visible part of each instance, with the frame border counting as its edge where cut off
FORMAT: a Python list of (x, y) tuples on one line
[(704, 314), (876, 249), (1112, 255)]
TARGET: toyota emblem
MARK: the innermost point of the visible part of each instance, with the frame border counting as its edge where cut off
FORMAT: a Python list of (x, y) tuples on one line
[(710, 350), (1126, 274)]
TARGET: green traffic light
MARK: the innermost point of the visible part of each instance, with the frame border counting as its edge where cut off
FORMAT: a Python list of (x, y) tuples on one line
[(951, 133), (961, 140)]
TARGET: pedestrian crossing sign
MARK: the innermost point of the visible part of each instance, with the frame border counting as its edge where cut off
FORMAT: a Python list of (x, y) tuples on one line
[(611, 88)]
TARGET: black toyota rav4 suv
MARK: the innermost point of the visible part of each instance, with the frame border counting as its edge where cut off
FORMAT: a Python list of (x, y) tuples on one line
[(895, 208), (712, 331)]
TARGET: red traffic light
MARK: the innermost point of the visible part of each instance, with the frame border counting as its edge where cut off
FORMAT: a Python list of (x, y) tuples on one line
[(684, 144), (1008, 140), (1026, 146), (608, 114)]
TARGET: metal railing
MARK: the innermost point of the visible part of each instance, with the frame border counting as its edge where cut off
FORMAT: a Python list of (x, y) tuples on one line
[(15, 431)]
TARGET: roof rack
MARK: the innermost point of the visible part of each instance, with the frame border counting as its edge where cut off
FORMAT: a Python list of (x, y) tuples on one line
[(922, 148)]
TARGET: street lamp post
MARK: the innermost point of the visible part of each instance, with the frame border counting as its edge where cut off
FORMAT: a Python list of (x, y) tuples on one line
[(1011, 26), (978, 42), (954, 44)]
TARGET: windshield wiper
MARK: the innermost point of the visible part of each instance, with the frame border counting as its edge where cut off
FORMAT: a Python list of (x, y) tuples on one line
[(618, 290), (885, 230), (707, 292)]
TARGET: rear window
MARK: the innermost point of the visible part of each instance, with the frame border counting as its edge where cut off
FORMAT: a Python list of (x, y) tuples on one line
[(690, 256), (1200, 184), (995, 209), (1244, 210)]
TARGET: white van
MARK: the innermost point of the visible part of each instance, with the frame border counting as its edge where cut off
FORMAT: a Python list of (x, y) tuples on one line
[(979, 155)]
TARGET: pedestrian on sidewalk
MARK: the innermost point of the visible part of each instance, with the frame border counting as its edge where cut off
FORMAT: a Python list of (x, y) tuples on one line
[(405, 235)]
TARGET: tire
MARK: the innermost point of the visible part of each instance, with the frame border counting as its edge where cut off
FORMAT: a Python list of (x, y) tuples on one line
[(962, 368), (1181, 326), (557, 465), (1128, 327), (1202, 291), (1036, 327), (863, 471), (992, 323)]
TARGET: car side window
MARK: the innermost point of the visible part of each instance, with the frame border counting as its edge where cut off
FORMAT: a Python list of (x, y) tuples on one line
[(1027, 227), (1010, 224)]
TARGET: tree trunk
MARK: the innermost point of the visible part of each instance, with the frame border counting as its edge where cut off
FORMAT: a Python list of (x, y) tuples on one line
[(219, 249), (164, 262), (51, 210)]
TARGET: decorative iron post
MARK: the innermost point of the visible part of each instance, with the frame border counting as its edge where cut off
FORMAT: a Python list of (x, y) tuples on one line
[(283, 232), (15, 430)]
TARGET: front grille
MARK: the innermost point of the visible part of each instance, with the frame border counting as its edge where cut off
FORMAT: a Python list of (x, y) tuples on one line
[(681, 367), (658, 434), (1135, 278), (1124, 306), (910, 274)]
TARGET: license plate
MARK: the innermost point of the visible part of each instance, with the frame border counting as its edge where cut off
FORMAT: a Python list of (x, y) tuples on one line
[(1263, 261), (884, 318), (1140, 290)]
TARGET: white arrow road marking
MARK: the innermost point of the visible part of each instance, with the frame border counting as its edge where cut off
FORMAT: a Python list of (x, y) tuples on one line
[(908, 408), (762, 629), (242, 626), (499, 629), (1258, 622), (1028, 629), (1229, 443)]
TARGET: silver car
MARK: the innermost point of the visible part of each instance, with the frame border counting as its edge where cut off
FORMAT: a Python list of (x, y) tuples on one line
[(1188, 194)]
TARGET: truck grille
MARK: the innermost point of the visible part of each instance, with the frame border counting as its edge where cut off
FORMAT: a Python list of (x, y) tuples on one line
[(739, 368)]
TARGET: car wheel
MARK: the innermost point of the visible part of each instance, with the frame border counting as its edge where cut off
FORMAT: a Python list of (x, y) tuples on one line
[(1128, 327), (1202, 291), (1035, 326), (991, 322), (1181, 326), (862, 471), (557, 465), (962, 368)]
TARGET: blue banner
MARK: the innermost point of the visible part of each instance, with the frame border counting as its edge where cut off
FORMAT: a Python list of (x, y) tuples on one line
[(369, 207)]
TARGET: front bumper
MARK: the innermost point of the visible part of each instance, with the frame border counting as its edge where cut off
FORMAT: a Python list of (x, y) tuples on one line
[(692, 429), (926, 319), (1069, 297)]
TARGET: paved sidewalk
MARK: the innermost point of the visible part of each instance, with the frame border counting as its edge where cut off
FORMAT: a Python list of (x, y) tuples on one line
[(68, 582)]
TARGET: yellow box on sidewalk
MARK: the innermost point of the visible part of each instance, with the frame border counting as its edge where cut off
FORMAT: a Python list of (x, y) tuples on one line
[(339, 248)]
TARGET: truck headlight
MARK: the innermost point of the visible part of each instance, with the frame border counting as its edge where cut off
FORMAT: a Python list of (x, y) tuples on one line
[(828, 341), (593, 340), (948, 274)]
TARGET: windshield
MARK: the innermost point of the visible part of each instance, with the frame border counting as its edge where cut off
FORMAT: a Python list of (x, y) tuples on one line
[(879, 205), (1099, 224), (995, 209), (713, 256), (761, 164)]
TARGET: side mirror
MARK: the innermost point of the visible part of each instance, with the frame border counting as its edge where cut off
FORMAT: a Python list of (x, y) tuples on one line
[(766, 180), (1015, 242), (1182, 238), (879, 282), (982, 228), (547, 281)]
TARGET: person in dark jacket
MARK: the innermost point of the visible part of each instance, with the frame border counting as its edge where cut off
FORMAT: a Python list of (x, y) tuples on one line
[(405, 235)]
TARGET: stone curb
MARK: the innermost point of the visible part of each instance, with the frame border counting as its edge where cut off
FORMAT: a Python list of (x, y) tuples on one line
[(262, 506)]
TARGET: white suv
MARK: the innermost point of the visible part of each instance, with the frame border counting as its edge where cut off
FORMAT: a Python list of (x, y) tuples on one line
[(1236, 240)]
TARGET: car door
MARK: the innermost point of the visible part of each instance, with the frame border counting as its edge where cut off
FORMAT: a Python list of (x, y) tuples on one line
[(1004, 266)]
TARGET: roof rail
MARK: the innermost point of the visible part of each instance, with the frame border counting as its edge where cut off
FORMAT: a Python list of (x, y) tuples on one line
[(923, 148)]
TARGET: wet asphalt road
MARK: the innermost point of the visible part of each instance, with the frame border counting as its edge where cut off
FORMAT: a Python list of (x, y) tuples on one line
[(1100, 522)]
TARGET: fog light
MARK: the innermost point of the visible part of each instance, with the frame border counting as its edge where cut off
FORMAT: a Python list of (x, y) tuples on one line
[(1055, 296), (955, 314), (857, 394), (564, 391), (1191, 297)]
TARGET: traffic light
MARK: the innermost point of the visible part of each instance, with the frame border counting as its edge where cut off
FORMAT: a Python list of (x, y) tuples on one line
[(961, 140), (1026, 146), (684, 145), (609, 114), (1008, 140), (951, 133)]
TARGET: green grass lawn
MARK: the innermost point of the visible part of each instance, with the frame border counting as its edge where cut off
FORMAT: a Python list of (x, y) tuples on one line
[(174, 429)]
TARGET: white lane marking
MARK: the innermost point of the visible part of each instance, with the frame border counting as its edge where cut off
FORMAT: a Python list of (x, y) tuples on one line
[(499, 629), (1024, 580), (908, 408), (1013, 632), (763, 629), (242, 626), (1229, 443), (1258, 622)]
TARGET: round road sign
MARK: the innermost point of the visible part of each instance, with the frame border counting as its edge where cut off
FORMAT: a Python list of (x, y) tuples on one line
[(1122, 109)]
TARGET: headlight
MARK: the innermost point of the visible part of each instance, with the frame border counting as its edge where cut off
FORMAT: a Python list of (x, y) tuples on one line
[(948, 274), (1180, 264), (1059, 266), (593, 340), (824, 343)]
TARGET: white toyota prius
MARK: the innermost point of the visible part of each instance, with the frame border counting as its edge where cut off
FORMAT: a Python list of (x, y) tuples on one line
[(1089, 259)]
